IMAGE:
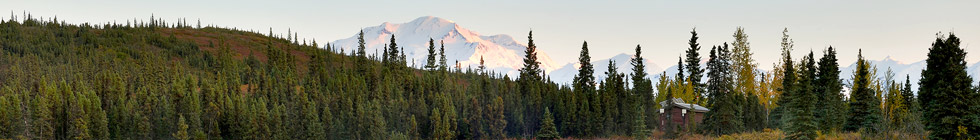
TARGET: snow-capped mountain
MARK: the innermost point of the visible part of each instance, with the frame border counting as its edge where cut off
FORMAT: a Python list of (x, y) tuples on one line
[(501, 53), (901, 69), (974, 71), (566, 74), (672, 72)]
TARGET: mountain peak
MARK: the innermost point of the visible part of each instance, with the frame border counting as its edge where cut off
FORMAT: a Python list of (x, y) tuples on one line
[(503, 53), (890, 60), (431, 19), (623, 55), (429, 23)]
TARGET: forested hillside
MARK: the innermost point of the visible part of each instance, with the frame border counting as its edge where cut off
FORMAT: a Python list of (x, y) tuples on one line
[(175, 80)]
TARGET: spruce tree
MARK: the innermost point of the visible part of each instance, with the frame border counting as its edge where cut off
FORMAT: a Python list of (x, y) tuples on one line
[(907, 92), (801, 122), (413, 129), (401, 56), (615, 101), (640, 130), (723, 118), (11, 114), (393, 54), (584, 88), (442, 56), (497, 121), (43, 125), (310, 117), (680, 71), (910, 102), (529, 84), (548, 130), (97, 116), (913, 117), (181, 133), (694, 65), (430, 63), (950, 108), (584, 82), (777, 117), (384, 56), (440, 127), (360, 44), (643, 88), (531, 67), (863, 112), (378, 127), (278, 124), (78, 127), (830, 110), (443, 118), (211, 124)]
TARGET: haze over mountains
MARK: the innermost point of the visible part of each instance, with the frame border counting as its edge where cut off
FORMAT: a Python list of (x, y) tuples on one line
[(502, 54)]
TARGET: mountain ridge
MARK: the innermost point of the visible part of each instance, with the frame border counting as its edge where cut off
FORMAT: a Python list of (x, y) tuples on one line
[(502, 52)]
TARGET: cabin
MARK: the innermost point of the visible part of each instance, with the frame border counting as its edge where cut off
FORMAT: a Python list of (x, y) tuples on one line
[(681, 114)]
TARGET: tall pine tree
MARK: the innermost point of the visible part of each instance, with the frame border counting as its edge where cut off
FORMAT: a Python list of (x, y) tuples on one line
[(830, 110), (360, 44), (529, 84), (800, 110), (392, 53), (584, 89), (694, 65), (548, 130), (864, 112), (430, 62), (951, 110), (723, 118), (643, 88), (442, 56), (497, 121)]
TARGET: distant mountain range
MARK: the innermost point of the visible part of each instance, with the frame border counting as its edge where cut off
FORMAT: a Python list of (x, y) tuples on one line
[(567, 73), (502, 54), (901, 69)]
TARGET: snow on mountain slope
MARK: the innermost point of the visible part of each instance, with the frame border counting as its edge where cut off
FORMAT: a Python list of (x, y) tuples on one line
[(974, 71), (501, 53), (566, 74), (672, 72), (901, 69), (913, 70)]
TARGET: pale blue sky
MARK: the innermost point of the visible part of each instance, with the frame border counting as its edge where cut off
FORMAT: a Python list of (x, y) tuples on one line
[(900, 28)]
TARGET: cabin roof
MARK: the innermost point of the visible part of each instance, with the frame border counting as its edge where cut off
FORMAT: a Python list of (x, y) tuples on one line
[(678, 102)]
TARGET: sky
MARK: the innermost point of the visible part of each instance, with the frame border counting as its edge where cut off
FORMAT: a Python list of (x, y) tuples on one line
[(902, 29)]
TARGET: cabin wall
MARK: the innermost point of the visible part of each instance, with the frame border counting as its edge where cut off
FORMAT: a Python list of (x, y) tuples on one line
[(680, 119)]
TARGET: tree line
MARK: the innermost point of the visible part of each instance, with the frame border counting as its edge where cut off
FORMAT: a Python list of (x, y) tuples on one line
[(160, 80)]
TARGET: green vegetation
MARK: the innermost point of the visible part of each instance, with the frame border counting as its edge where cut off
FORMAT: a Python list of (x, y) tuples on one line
[(864, 112), (160, 80), (950, 105), (724, 117)]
